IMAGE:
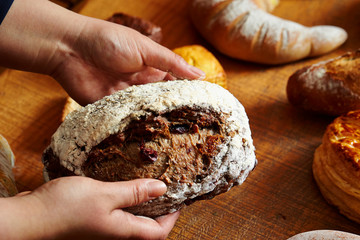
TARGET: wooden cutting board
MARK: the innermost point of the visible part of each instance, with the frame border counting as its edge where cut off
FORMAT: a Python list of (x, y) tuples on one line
[(279, 198)]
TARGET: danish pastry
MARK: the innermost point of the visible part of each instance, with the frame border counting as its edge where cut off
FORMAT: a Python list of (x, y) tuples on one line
[(336, 165)]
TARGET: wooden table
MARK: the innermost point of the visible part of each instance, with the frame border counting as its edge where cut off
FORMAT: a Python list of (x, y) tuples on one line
[(279, 198)]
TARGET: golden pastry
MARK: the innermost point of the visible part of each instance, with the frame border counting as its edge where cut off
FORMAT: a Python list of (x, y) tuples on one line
[(201, 58), (336, 165)]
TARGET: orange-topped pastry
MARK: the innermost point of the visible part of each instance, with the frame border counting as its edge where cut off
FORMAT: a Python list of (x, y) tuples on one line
[(336, 165), (203, 59)]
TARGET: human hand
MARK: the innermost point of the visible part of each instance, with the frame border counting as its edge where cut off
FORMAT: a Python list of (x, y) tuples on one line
[(89, 57), (83, 208), (106, 57)]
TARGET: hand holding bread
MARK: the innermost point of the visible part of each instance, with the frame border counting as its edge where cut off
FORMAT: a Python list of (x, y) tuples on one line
[(192, 135)]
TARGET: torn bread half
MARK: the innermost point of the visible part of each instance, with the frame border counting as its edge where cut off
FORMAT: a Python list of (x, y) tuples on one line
[(192, 135)]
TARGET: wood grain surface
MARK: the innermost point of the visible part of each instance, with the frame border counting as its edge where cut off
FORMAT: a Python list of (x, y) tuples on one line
[(280, 198)]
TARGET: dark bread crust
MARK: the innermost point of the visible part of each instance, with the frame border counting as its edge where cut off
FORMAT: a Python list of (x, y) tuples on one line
[(143, 26), (331, 87)]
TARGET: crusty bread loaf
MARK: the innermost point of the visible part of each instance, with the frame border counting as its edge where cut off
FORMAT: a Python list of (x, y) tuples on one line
[(330, 87), (336, 165), (143, 26), (243, 29), (7, 161), (201, 58), (193, 135)]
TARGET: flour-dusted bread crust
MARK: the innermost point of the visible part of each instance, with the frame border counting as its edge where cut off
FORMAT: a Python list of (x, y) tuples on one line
[(325, 235), (336, 165), (329, 87), (193, 135), (243, 29)]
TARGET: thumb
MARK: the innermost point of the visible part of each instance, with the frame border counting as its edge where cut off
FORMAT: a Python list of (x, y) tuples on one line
[(132, 193), (157, 56)]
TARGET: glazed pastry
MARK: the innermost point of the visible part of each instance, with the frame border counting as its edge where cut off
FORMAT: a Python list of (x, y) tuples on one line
[(329, 87), (201, 58), (243, 29), (336, 165), (192, 135)]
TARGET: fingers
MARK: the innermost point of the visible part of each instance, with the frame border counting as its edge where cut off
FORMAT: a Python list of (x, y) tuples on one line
[(157, 56), (20, 194), (168, 221), (149, 75), (139, 227), (131, 193)]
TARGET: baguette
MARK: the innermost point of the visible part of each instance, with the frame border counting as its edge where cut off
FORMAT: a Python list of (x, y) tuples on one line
[(328, 87), (243, 29)]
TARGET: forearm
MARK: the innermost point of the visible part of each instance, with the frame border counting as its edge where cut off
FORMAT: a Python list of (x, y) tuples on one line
[(22, 218), (35, 33)]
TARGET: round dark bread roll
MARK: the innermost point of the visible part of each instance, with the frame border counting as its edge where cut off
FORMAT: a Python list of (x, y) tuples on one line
[(143, 26), (192, 135), (329, 87)]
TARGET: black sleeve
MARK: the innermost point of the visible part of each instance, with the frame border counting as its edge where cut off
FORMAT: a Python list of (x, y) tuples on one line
[(4, 8)]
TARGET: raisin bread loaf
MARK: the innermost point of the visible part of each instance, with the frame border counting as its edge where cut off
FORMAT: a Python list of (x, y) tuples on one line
[(192, 135)]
